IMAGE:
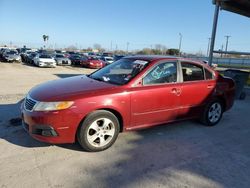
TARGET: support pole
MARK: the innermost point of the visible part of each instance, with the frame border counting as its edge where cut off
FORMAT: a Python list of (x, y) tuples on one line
[(208, 46), (180, 44), (216, 15), (227, 37)]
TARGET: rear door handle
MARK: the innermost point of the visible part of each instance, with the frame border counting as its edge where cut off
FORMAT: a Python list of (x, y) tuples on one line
[(210, 86)]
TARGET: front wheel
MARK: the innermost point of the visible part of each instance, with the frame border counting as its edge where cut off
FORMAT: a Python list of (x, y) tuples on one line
[(212, 113), (98, 131)]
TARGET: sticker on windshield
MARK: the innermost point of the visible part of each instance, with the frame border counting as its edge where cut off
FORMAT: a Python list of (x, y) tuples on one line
[(106, 79)]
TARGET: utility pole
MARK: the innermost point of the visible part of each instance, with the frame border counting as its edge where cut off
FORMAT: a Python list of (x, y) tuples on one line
[(76, 46), (222, 46), (111, 45), (227, 37), (127, 46), (180, 44), (208, 46)]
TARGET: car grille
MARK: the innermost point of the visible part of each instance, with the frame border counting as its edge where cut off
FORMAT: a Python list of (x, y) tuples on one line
[(64, 62), (29, 104)]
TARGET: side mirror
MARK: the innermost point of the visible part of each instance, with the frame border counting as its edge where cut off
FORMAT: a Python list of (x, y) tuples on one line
[(138, 83)]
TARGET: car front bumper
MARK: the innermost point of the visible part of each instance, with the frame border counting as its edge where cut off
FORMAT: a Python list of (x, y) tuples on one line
[(63, 62), (46, 64), (12, 59), (56, 127)]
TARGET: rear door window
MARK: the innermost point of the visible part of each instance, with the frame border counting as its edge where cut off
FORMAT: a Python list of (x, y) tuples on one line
[(209, 75), (192, 72)]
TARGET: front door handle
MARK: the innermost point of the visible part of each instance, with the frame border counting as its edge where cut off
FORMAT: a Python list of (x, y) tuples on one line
[(176, 91)]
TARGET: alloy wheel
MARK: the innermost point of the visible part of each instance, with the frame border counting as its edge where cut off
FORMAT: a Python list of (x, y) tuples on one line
[(100, 132), (214, 112)]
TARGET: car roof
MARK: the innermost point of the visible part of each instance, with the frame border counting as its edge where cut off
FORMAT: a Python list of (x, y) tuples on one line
[(151, 57)]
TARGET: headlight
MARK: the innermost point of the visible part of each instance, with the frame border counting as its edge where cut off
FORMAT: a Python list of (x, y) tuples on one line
[(50, 106)]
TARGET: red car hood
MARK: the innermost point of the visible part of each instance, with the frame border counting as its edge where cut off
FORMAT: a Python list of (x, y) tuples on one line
[(68, 88)]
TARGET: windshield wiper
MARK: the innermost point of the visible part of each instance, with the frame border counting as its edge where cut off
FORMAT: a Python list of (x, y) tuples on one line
[(98, 79)]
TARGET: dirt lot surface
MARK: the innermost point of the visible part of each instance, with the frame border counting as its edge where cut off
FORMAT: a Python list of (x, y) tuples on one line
[(184, 154)]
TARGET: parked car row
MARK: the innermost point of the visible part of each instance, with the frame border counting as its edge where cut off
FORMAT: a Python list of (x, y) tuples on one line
[(43, 58)]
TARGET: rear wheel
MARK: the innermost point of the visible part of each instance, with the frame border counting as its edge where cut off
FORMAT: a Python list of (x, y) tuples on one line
[(98, 131), (212, 113)]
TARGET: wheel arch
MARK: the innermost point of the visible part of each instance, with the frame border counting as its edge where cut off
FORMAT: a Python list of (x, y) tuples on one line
[(223, 101), (115, 112)]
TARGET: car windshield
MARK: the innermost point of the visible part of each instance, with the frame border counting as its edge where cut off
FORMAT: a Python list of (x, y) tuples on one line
[(84, 58), (109, 58), (76, 56), (60, 56), (44, 56), (120, 72), (11, 52)]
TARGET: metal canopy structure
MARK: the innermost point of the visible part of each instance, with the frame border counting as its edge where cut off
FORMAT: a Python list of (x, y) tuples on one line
[(241, 7)]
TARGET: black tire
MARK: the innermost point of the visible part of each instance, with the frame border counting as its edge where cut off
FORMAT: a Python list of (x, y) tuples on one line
[(208, 118), (85, 131)]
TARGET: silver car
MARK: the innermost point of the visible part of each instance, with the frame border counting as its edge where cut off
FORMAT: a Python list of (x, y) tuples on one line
[(11, 56), (62, 60)]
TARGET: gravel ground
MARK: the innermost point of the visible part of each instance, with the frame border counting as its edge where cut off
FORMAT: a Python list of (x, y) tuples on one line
[(183, 154)]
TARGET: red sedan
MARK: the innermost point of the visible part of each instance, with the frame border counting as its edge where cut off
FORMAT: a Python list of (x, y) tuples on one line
[(93, 63), (132, 93)]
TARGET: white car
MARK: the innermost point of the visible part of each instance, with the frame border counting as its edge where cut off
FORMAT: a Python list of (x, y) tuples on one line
[(107, 59), (44, 60)]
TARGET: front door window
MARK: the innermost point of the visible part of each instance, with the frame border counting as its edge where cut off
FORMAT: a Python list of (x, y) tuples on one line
[(161, 73)]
